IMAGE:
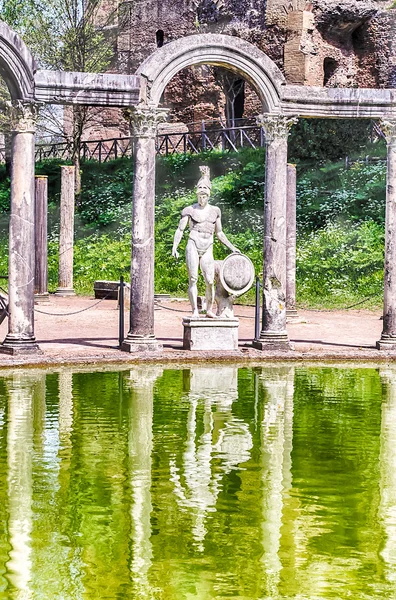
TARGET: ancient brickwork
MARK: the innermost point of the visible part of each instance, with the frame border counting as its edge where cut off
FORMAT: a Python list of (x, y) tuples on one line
[(322, 42)]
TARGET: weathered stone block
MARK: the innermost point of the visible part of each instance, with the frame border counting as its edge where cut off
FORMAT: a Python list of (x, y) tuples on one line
[(201, 333), (106, 289)]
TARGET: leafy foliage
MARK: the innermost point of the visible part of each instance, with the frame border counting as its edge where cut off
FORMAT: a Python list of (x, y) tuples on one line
[(340, 265), (327, 139), (333, 193)]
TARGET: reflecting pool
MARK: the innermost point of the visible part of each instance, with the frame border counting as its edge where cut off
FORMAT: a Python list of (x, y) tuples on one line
[(198, 483)]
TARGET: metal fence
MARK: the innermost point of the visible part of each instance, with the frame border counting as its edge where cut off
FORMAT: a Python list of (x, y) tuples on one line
[(224, 138), (199, 138)]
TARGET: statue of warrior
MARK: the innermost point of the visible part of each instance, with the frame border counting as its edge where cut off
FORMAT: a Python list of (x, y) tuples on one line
[(204, 221)]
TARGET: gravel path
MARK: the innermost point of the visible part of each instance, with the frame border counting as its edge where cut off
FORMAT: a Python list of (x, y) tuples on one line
[(91, 336)]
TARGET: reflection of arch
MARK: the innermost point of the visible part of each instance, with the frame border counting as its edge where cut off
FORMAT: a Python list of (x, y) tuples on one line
[(219, 50), (16, 64)]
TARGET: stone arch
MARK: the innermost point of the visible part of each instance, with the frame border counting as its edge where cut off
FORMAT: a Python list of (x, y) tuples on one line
[(212, 49), (17, 65)]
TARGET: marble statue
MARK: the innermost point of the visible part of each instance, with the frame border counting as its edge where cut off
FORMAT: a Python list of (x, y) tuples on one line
[(204, 221)]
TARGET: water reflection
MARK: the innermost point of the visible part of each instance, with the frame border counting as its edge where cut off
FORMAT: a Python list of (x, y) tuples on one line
[(224, 437), (140, 444), (201, 483), (20, 428), (387, 507), (276, 446)]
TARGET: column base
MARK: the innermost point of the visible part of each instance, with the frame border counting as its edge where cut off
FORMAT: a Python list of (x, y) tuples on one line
[(65, 292), (291, 313), (16, 347), (41, 298), (386, 343), (273, 341), (140, 344)]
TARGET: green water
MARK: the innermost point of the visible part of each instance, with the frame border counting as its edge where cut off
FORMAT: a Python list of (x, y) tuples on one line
[(275, 482)]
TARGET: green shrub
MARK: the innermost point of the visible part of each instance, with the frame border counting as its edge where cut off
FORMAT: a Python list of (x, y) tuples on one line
[(333, 193), (341, 265)]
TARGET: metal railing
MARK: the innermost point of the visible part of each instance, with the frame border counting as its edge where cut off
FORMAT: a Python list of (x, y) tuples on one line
[(199, 137), (192, 141)]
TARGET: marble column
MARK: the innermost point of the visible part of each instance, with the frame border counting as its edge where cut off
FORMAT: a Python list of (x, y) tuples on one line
[(291, 241), (66, 232), (273, 335), (41, 240), (141, 337), (20, 338), (388, 336)]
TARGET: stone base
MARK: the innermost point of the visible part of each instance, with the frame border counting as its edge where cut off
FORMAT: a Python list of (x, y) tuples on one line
[(65, 292), (18, 347), (273, 341), (202, 333), (141, 344), (291, 313), (387, 344), (41, 298), (106, 289)]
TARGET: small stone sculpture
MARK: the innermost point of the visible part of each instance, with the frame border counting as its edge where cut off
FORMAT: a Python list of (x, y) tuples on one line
[(204, 221)]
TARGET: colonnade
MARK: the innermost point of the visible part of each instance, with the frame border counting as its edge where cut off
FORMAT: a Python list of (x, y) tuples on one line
[(273, 334), (144, 122)]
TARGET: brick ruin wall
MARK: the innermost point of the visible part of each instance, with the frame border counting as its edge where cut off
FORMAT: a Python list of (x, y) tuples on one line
[(323, 42)]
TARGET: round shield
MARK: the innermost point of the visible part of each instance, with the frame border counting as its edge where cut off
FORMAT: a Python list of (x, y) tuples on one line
[(237, 274)]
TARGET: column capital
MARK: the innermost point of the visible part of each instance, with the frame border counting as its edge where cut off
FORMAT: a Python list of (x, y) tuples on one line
[(276, 126), (144, 121), (388, 127), (24, 116)]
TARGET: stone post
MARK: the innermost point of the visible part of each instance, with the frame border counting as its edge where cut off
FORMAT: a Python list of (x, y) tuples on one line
[(273, 335), (141, 337), (291, 239), (66, 232), (20, 338), (388, 336), (40, 240)]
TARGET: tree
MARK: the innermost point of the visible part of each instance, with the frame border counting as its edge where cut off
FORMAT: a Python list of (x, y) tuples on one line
[(66, 35)]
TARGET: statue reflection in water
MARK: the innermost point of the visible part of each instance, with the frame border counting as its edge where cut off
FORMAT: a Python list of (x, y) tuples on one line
[(225, 437)]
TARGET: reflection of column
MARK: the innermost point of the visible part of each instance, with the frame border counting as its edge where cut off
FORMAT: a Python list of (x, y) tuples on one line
[(20, 338), (276, 440), (140, 444), (70, 564), (388, 336), (273, 334), (387, 507), (65, 409), (141, 334), (19, 452)]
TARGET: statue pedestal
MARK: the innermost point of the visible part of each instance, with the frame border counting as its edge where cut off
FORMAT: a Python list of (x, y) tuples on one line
[(201, 333)]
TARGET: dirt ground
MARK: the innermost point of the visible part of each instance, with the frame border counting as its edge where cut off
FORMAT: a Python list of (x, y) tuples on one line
[(91, 336)]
